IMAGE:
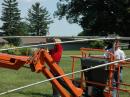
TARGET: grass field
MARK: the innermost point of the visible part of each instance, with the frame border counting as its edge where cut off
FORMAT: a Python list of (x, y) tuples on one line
[(10, 79)]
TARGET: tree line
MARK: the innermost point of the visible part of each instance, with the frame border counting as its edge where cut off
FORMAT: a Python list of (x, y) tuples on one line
[(96, 17), (36, 23)]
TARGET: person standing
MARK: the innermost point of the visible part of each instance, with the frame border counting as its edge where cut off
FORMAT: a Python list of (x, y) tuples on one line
[(56, 54), (119, 55)]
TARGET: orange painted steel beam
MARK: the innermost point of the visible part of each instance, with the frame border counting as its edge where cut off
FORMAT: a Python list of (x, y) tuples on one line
[(36, 63), (12, 61), (55, 68), (42, 57), (61, 89)]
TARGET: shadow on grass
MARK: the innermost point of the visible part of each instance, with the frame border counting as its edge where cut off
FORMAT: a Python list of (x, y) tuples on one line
[(35, 94)]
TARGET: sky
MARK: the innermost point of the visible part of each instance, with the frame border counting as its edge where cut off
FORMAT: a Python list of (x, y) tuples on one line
[(59, 27)]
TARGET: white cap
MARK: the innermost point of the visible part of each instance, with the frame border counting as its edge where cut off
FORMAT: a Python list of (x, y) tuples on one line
[(57, 40)]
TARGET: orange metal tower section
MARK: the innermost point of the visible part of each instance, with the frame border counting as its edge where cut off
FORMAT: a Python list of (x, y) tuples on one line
[(36, 63)]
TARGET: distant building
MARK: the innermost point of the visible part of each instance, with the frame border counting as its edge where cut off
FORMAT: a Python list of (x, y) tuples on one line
[(3, 41), (44, 40), (32, 41)]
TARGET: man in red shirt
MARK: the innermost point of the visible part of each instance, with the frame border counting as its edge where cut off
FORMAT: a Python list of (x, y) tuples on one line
[(56, 54)]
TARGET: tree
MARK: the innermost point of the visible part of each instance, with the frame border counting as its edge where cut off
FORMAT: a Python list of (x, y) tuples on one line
[(11, 20), (10, 17), (97, 17), (39, 19), (24, 28)]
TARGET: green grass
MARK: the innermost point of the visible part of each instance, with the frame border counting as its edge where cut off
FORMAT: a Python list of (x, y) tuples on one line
[(10, 79)]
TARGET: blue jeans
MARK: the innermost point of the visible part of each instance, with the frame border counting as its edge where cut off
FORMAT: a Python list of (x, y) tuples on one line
[(55, 91), (114, 91)]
